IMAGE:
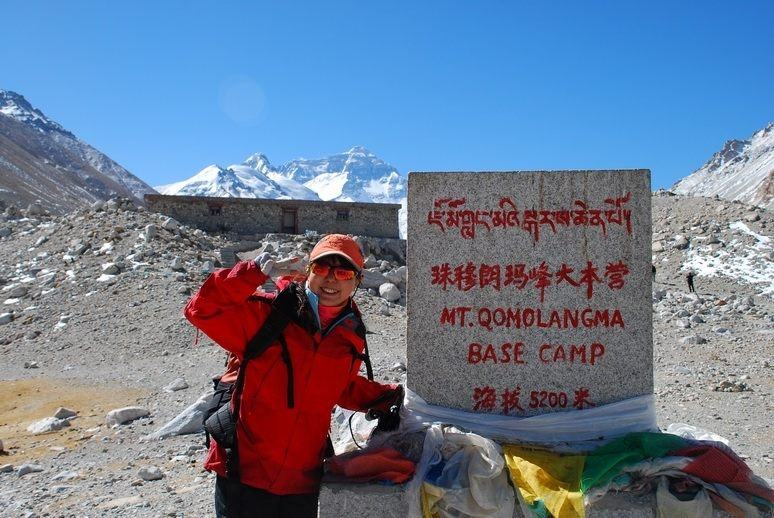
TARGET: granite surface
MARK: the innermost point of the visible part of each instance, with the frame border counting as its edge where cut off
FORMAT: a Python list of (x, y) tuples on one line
[(529, 292)]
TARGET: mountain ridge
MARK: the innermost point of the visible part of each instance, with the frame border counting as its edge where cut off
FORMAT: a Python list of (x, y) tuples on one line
[(42, 161), (356, 175), (741, 170)]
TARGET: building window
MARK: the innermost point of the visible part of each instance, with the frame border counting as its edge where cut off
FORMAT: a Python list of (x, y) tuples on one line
[(342, 215), (214, 210)]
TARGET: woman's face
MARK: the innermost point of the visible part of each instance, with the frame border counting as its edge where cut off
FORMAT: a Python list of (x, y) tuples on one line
[(330, 290)]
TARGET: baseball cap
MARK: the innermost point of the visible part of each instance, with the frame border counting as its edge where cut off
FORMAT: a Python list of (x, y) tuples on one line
[(338, 244)]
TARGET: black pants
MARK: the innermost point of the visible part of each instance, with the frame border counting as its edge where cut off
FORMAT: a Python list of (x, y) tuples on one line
[(251, 502)]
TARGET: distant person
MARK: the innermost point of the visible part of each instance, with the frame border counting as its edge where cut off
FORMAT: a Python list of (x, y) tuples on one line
[(271, 465), (689, 280)]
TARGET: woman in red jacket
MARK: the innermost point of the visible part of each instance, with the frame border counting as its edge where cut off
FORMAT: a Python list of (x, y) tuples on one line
[(289, 390)]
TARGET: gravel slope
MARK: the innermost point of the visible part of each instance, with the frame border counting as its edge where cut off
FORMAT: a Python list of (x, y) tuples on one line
[(103, 344)]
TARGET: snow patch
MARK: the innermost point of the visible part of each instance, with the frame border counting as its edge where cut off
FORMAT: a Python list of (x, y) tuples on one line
[(745, 263)]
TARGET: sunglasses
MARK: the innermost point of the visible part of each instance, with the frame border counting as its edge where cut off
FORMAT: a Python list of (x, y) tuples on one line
[(340, 274)]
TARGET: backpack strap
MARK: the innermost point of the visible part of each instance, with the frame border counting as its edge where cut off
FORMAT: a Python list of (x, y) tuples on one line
[(283, 311), (289, 366), (361, 331)]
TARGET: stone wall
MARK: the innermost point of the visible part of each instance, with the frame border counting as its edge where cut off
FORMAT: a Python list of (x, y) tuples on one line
[(248, 216)]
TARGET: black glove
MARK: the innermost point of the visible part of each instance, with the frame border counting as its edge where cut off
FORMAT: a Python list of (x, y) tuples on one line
[(389, 420)]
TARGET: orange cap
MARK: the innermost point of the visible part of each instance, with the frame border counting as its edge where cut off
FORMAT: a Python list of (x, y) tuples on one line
[(338, 244)]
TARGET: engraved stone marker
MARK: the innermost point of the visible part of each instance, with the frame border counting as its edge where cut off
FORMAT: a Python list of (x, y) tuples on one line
[(529, 292)]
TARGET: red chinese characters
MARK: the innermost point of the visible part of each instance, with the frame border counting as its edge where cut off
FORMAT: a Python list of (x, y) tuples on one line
[(485, 399), (469, 276), (451, 213)]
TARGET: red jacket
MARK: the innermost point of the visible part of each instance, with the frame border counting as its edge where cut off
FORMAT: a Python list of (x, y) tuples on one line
[(280, 448)]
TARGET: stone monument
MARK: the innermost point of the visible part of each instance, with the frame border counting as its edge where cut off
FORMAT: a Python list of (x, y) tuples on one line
[(529, 292)]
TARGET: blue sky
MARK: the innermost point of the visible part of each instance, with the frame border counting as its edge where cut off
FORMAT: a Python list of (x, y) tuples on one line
[(166, 88)]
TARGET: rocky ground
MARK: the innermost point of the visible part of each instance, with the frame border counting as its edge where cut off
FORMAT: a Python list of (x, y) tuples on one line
[(90, 320)]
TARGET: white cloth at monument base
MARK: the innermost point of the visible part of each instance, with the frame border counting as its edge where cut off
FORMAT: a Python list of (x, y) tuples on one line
[(472, 480), (577, 430)]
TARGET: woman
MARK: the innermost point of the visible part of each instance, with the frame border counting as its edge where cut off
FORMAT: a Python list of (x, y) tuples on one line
[(291, 388)]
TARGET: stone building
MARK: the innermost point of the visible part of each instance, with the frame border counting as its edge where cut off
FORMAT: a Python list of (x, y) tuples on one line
[(250, 216)]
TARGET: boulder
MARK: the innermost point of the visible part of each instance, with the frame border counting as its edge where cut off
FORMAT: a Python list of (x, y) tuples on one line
[(175, 385), (110, 269), (177, 264), (29, 468), (150, 473), (35, 209), (388, 291), (371, 261), (170, 224), (372, 279), (64, 413), (125, 415), (48, 424), (680, 242), (186, 422), (150, 232)]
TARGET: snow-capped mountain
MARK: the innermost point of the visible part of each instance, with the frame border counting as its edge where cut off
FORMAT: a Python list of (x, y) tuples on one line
[(239, 181), (743, 170), (41, 160), (356, 175)]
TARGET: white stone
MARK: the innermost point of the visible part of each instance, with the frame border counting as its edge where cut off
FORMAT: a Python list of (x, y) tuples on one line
[(29, 468), (372, 279), (5, 318), (6, 468), (170, 224), (176, 384), (125, 415), (388, 291), (66, 475), (150, 232), (48, 424), (121, 502), (186, 422), (150, 473), (177, 264), (35, 209)]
